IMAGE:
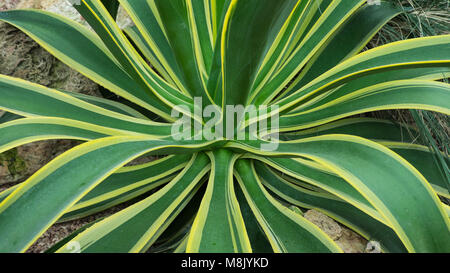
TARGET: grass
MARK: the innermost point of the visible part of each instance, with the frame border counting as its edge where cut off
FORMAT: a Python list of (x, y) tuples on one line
[(421, 18)]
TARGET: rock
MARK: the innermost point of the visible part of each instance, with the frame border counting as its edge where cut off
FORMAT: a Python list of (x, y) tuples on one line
[(325, 223), (351, 242), (63, 7), (373, 247), (18, 164), (8, 4), (347, 240), (123, 19), (11, 166), (21, 57)]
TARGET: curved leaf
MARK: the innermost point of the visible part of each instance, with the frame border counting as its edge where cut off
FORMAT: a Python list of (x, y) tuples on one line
[(407, 94), (392, 185), (286, 230), (30, 99), (334, 207), (218, 226), (135, 228), (76, 46), (24, 207), (421, 52)]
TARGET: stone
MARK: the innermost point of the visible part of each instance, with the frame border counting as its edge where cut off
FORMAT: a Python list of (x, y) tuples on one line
[(351, 242), (23, 58), (63, 7), (346, 239), (8, 4), (17, 164), (325, 223), (373, 247)]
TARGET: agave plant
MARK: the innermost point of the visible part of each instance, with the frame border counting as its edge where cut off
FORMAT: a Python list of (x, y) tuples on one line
[(297, 62)]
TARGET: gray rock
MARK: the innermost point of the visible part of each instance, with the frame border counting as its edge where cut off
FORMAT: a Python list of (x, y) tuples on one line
[(351, 242), (18, 164), (63, 7), (347, 240), (23, 58), (373, 247), (8, 4), (325, 223)]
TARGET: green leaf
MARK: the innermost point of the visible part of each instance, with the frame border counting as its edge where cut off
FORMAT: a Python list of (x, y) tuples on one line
[(324, 179), (200, 15), (82, 50), (149, 54), (115, 40), (249, 29), (218, 226), (180, 227), (369, 128), (136, 228), (433, 73), (258, 239), (28, 99), (107, 104), (127, 183), (393, 186), (176, 20), (423, 160), (219, 9), (332, 206), (407, 94), (25, 208), (334, 16), (286, 230), (421, 52), (349, 40), (27, 130)]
